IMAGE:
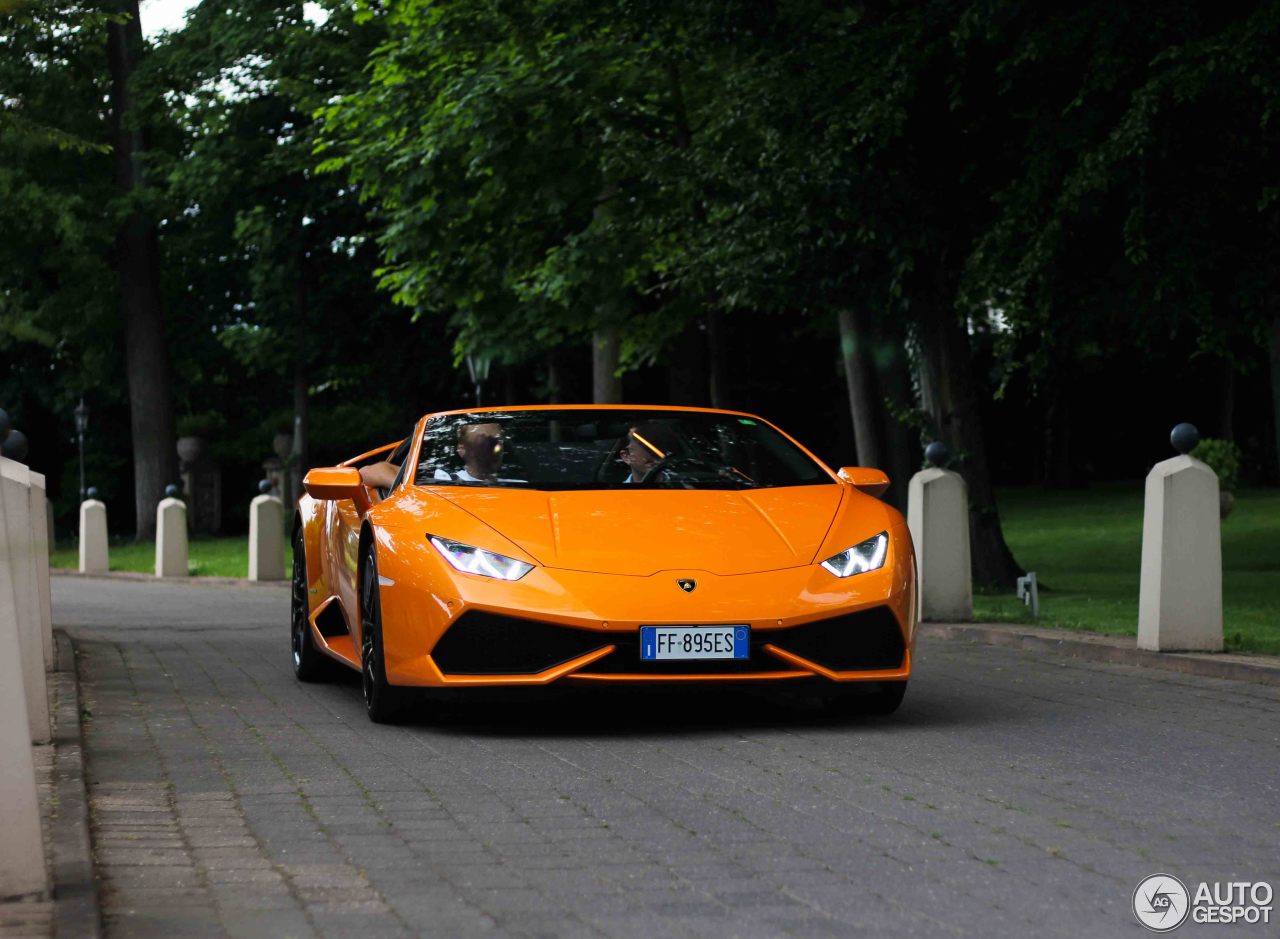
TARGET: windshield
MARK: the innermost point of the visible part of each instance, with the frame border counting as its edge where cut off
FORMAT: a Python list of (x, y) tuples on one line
[(610, 449)]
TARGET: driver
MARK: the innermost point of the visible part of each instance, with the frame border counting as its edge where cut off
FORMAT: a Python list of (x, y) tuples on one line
[(647, 445)]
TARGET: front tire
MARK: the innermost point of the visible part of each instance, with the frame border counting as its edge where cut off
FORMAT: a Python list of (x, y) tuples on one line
[(382, 701), (309, 663)]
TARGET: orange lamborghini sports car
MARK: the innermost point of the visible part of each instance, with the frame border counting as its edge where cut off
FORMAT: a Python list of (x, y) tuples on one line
[(602, 544)]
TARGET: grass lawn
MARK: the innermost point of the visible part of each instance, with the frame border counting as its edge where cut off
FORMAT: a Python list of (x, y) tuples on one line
[(208, 557), (1086, 548)]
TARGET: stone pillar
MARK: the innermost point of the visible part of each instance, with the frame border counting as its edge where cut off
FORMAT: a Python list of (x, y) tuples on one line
[(1180, 597), (22, 867), (40, 559), (938, 516), (171, 538), (15, 479), (266, 538), (93, 537)]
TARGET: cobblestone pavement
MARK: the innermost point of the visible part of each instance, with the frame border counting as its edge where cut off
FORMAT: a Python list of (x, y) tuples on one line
[(1015, 794)]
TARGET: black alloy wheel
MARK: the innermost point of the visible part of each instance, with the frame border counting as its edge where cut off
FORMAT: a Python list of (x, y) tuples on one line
[(382, 701), (309, 663)]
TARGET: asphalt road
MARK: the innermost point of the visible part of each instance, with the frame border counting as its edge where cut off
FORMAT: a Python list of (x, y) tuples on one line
[(1015, 794)]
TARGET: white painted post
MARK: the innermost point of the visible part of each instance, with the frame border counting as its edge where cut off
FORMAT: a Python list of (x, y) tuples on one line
[(1180, 596), (266, 538), (15, 479), (93, 537), (171, 538), (22, 867), (938, 517), (40, 559)]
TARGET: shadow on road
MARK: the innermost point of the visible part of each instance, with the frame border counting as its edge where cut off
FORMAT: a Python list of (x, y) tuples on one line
[(660, 712)]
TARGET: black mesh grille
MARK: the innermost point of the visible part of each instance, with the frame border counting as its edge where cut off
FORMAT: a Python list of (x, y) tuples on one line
[(861, 641), (482, 643)]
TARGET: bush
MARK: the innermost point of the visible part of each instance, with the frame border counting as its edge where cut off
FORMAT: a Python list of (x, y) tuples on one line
[(1223, 457)]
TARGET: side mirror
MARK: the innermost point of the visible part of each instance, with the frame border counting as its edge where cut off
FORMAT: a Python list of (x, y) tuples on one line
[(336, 483), (871, 481)]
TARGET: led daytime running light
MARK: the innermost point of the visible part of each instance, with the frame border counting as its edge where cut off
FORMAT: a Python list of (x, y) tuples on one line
[(471, 560), (865, 556)]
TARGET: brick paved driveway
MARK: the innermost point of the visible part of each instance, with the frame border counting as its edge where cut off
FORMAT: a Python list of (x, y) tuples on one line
[(1014, 795)]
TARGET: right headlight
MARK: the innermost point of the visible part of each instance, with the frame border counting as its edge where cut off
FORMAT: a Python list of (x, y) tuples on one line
[(865, 556), (472, 560)]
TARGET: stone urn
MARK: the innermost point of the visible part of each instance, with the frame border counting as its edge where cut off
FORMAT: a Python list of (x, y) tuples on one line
[(1226, 502), (282, 444), (190, 450)]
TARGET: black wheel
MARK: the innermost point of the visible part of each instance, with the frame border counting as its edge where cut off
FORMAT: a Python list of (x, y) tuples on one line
[(382, 701), (309, 663), (883, 700)]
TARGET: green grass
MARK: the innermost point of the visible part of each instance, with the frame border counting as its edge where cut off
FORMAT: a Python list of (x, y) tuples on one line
[(1086, 547), (206, 557)]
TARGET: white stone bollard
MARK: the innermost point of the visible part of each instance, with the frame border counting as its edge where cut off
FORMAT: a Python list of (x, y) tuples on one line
[(1180, 597), (266, 538), (938, 516), (22, 866), (15, 480), (40, 558), (171, 538), (93, 537)]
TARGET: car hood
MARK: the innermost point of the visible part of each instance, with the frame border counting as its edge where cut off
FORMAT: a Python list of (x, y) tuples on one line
[(645, 531)]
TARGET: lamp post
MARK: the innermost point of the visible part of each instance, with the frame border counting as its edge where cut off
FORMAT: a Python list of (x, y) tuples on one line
[(478, 366), (82, 424)]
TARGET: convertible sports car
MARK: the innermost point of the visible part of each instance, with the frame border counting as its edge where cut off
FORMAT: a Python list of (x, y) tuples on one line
[(602, 544)]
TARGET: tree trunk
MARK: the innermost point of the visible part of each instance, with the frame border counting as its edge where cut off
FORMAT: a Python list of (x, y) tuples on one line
[(1275, 393), (1228, 401), (953, 405), (902, 449), (151, 416), (606, 386), (718, 356), (301, 409), (860, 381)]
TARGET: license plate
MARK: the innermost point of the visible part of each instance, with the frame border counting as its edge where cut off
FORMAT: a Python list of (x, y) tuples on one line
[(693, 642)]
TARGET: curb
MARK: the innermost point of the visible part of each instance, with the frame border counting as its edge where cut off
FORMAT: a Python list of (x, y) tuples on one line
[(1113, 650), (198, 580), (75, 887)]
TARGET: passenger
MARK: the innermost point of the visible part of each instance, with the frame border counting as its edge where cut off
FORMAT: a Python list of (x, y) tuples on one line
[(647, 445), (480, 446)]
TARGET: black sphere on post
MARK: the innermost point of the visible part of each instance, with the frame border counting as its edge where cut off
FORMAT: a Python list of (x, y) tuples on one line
[(92, 492), (264, 486), (937, 454), (15, 446), (172, 490), (5, 426), (1184, 437)]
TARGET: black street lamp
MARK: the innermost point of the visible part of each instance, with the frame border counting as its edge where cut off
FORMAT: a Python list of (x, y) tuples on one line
[(82, 424), (478, 366)]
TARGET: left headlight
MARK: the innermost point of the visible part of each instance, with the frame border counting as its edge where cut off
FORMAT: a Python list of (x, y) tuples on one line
[(865, 556), (469, 560)]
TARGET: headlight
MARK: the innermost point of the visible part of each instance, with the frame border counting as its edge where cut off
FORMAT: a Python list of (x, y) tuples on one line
[(867, 556), (471, 560)]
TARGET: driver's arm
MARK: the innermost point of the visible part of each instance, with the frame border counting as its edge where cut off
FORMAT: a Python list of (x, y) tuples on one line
[(379, 475)]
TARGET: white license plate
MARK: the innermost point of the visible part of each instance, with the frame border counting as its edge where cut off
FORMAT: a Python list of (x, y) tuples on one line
[(693, 642)]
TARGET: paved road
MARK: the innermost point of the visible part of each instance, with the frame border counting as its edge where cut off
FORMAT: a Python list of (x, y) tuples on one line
[(1014, 795)]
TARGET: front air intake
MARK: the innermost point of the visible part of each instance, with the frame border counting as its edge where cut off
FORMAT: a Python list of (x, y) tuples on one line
[(480, 643)]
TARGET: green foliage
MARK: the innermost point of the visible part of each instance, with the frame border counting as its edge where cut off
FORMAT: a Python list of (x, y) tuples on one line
[(1223, 457)]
